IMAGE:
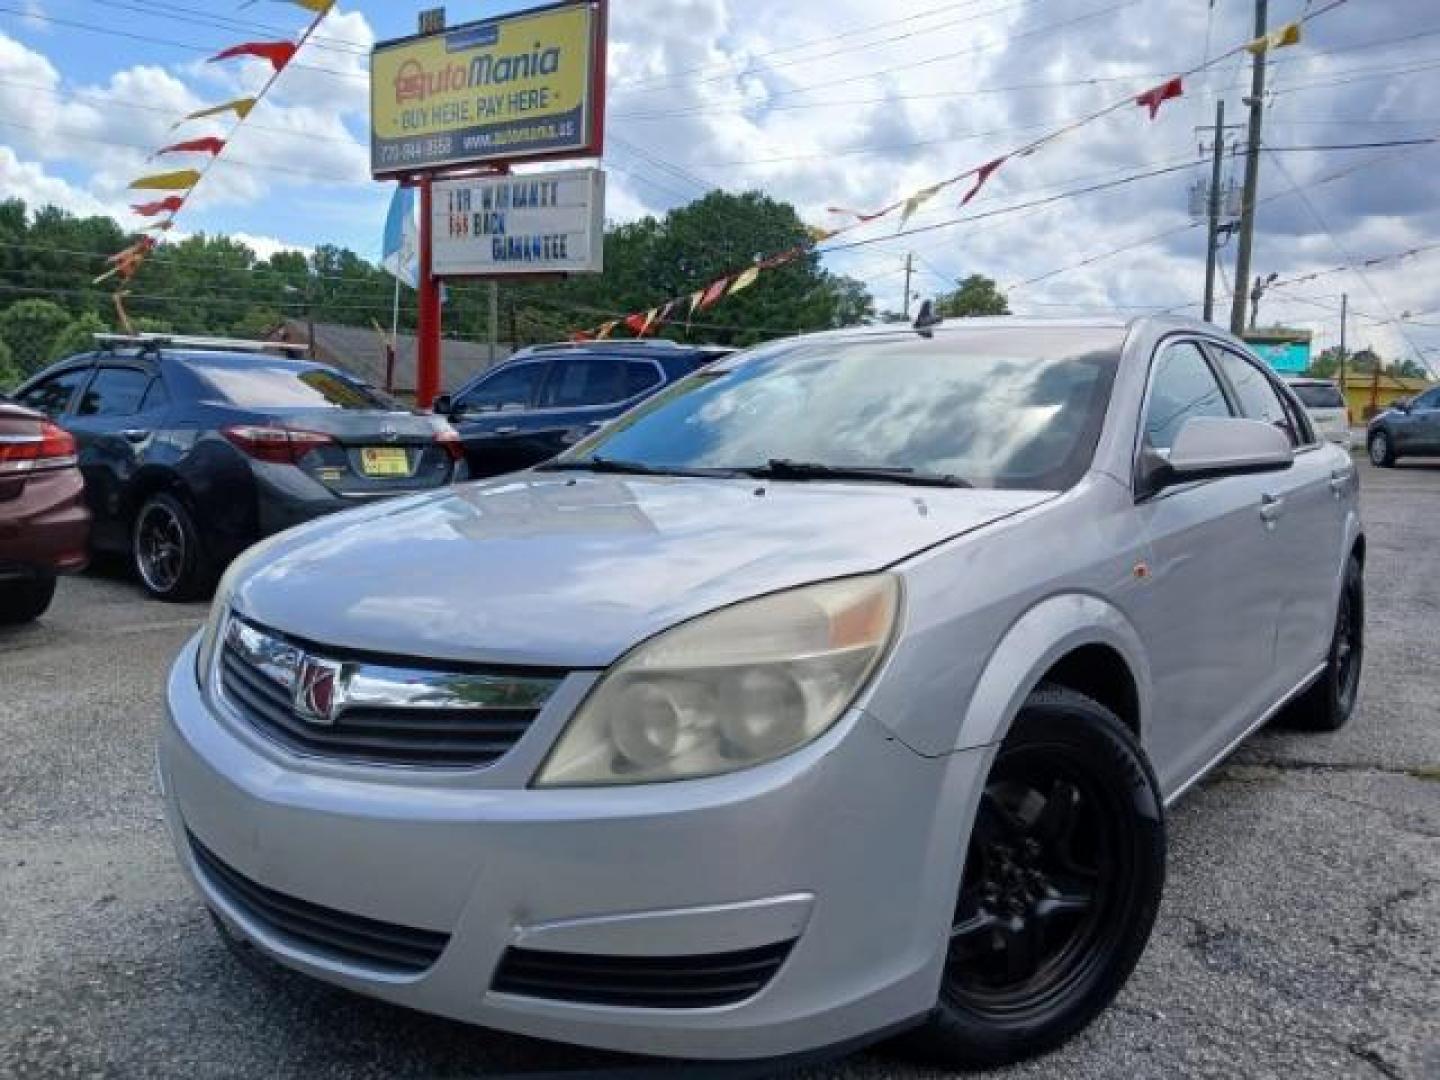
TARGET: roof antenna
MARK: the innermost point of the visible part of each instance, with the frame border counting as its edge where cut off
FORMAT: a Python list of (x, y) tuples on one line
[(928, 318)]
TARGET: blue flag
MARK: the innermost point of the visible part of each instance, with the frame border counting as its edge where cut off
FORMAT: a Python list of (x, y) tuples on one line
[(400, 253)]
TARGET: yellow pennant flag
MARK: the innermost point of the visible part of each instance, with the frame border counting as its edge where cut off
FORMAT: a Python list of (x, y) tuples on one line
[(817, 234), (182, 180), (605, 330), (240, 107), (919, 199), (744, 281), (1289, 34), (695, 298)]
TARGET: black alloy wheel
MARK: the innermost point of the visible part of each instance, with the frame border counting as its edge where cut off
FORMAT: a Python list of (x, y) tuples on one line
[(1062, 880), (166, 548), (1328, 704)]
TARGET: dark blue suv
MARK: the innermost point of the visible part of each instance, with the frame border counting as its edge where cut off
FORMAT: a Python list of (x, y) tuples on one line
[(548, 397)]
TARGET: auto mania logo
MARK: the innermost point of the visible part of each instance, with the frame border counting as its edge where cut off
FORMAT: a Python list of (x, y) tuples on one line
[(415, 83)]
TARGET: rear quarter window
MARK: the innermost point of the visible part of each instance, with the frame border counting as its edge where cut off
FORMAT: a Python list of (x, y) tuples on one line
[(284, 386)]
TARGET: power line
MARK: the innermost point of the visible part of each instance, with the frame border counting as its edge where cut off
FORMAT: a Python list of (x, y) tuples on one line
[(664, 81), (150, 39), (196, 17)]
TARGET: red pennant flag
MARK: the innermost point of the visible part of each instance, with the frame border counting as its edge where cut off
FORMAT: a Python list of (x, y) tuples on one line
[(856, 214), (279, 53), (578, 336), (637, 324), (1152, 99), (208, 145), (982, 174), (163, 206), (712, 295)]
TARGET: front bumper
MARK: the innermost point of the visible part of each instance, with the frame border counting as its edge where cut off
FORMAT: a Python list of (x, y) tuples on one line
[(849, 847)]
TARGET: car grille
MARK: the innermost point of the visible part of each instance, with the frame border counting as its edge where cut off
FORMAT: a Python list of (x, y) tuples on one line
[(417, 732), (380, 945), (647, 982)]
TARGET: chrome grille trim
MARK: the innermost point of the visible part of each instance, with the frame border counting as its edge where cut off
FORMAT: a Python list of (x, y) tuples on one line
[(369, 712)]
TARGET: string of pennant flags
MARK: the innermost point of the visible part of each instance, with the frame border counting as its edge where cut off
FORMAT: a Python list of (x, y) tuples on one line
[(975, 178), (178, 185)]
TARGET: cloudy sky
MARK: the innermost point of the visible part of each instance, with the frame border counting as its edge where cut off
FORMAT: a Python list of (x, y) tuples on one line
[(825, 102)]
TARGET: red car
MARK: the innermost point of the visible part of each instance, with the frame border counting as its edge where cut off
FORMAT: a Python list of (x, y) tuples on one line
[(44, 525)]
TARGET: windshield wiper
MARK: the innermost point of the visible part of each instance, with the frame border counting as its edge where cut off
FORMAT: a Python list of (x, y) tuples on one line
[(786, 469), (598, 464)]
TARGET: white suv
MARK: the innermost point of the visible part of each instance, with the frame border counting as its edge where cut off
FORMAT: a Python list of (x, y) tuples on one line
[(1326, 405)]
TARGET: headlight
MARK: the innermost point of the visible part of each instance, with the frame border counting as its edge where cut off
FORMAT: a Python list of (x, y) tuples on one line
[(210, 637), (729, 690)]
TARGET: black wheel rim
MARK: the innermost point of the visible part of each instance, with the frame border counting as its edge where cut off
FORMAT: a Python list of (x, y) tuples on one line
[(1349, 645), (160, 548), (1048, 876)]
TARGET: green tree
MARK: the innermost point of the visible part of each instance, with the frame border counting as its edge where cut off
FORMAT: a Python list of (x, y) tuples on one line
[(78, 337), (9, 373), (256, 323), (976, 296), (29, 328)]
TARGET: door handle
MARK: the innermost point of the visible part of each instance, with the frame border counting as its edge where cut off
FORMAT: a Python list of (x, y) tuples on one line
[(1340, 481), (1271, 507), (510, 430), (135, 435)]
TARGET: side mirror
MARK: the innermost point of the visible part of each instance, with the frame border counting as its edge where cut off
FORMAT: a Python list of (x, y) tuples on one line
[(444, 406), (1403, 405), (1209, 447)]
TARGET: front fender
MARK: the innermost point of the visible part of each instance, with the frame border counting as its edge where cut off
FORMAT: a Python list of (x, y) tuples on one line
[(1032, 645)]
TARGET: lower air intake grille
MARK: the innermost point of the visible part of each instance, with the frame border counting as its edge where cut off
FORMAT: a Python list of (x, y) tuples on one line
[(642, 982), (379, 945)]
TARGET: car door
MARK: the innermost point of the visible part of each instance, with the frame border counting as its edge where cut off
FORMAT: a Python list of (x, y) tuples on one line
[(114, 421), (1208, 613), (494, 417), (1308, 504), (1425, 423), (581, 392)]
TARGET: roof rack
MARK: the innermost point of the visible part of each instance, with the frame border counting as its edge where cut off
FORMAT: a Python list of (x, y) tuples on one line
[(613, 343), (156, 342)]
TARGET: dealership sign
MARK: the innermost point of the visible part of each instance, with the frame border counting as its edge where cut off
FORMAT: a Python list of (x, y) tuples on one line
[(540, 223), (521, 87)]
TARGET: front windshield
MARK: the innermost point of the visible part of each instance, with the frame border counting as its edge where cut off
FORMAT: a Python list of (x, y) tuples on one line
[(995, 407)]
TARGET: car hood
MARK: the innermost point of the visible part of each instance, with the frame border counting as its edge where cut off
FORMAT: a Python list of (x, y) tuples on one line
[(572, 570)]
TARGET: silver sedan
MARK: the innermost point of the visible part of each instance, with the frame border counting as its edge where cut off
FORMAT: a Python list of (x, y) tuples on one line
[(836, 692)]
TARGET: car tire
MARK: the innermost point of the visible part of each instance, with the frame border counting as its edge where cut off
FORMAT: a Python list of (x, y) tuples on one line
[(1328, 704), (167, 552), (1382, 449), (25, 601), (1064, 871)]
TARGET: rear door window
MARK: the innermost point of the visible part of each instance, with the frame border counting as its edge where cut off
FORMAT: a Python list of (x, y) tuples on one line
[(1183, 387), (114, 391), (581, 381), (52, 396)]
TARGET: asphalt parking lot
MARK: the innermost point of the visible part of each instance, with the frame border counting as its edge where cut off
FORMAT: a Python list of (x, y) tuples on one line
[(1300, 935)]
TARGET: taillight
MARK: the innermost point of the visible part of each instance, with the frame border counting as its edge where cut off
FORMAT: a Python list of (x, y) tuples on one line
[(451, 441), (277, 445), (53, 448)]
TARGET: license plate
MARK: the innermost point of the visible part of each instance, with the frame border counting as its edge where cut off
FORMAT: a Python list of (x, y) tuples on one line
[(384, 461)]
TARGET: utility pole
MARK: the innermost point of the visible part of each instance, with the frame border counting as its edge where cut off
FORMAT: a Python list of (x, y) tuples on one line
[(909, 269), (1212, 247), (1256, 101), (495, 320), (1344, 318)]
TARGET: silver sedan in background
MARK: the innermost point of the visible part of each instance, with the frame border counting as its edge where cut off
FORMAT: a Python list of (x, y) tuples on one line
[(837, 691)]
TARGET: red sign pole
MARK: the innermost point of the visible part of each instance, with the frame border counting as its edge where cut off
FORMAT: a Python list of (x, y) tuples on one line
[(427, 352)]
